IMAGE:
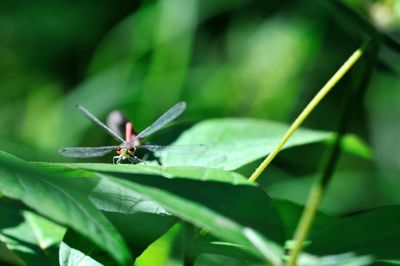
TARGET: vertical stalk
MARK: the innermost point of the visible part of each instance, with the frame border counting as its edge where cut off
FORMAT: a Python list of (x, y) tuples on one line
[(308, 109), (320, 184)]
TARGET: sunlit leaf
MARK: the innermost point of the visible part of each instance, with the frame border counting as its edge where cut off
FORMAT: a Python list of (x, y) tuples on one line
[(32, 237), (187, 172), (233, 142), (208, 198), (213, 206), (161, 251), (61, 199), (356, 146), (140, 222)]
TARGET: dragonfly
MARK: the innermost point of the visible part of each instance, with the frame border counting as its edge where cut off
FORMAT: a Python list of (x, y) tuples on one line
[(126, 150)]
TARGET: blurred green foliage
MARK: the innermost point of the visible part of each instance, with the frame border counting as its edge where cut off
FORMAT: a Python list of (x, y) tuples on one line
[(239, 58)]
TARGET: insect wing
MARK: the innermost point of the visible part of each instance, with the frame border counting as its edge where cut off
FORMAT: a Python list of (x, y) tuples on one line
[(115, 121), (85, 152), (163, 120), (174, 148), (94, 119)]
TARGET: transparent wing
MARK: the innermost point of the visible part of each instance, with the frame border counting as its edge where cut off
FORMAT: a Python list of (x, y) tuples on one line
[(163, 120), (174, 148), (85, 152), (89, 115)]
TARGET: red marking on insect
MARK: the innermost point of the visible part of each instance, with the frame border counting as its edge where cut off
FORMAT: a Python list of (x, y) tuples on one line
[(128, 132)]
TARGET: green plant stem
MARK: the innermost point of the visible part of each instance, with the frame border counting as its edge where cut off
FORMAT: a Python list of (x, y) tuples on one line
[(320, 184), (307, 110)]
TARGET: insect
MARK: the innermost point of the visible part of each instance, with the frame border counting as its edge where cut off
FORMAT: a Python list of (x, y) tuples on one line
[(126, 150)]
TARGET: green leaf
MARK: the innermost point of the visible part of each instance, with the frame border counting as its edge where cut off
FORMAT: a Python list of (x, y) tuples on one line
[(78, 250), (160, 252), (214, 206), (212, 259), (375, 232), (138, 230), (233, 142), (145, 220), (345, 259), (62, 199), (291, 214), (187, 172), (32, 237), (212, 245), (389, 262), (9, 257), (139, 221), (352, 144), (208, 198)]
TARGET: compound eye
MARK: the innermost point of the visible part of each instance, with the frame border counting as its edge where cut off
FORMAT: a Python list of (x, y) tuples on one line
[(131, 149), (118, 149)]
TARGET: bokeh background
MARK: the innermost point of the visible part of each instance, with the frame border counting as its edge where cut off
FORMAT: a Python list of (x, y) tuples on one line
[(237, 58)]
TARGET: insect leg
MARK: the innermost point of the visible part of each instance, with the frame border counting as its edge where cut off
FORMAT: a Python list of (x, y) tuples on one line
[(136, 160), (117, 159)]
